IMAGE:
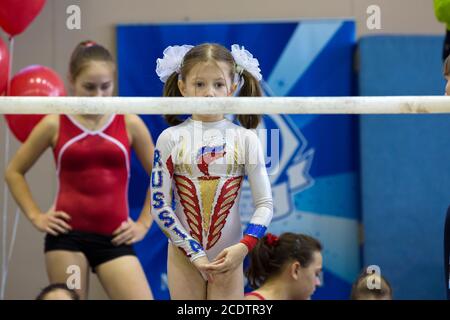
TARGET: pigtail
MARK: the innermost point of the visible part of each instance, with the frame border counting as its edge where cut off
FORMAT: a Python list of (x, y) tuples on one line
[(249, 121), (171, 86), (171, 90), (250, 88)]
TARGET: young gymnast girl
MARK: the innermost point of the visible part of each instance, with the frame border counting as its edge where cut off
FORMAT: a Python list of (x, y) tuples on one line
[(204, 160)]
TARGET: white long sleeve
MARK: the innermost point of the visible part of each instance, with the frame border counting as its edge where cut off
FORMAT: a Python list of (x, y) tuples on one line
[(161, 186), (205, 163)]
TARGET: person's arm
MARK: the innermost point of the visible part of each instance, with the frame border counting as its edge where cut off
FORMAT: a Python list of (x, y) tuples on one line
[(161, 186), (442, 11), (231, 257), (29, 152), (141, 141), (261, 192)]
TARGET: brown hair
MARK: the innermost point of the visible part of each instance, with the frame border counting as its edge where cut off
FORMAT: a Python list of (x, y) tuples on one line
[(86, 52), (268, 259), (213, 52), (360, 290), (57, 286), (447, 66)]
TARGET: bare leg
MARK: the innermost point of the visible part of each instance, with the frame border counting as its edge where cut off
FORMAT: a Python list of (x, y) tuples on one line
[(185, 282), (58, 263), (124, 279), (227, 286)]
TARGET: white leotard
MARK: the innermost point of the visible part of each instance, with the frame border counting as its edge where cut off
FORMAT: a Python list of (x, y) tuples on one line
[(204, 163)]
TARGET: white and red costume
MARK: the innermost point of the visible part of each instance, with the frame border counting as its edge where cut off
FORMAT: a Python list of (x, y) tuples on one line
[(204, 164), (93, 169)]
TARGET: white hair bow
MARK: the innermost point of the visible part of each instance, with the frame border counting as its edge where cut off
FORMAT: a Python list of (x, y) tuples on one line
[(171, 62), (245, 61)]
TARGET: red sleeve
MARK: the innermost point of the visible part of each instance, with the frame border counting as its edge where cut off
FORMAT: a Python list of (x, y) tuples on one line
[(249, 241)]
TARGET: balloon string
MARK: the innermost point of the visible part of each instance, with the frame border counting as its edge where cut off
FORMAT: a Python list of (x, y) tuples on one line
[(11, 51), (5, 216), (8, 261), (5, 192)]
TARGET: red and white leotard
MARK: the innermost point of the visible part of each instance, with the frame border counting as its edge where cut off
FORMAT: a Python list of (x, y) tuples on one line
[(204, 163), (93, 170)]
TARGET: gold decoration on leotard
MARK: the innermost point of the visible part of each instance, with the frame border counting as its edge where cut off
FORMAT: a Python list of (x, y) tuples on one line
[(225, 201), (233, 163), (183, 162), (208, 189)]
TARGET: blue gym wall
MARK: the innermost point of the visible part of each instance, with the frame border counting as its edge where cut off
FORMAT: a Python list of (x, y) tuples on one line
[(405, 166)]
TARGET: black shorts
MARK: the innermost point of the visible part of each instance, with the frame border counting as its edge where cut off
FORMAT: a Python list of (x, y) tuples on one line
[(97, 248)]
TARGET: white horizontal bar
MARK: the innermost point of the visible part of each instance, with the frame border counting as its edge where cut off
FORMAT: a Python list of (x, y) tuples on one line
[(244, 105)]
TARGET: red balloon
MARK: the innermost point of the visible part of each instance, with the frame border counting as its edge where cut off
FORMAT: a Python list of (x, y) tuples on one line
[(37, 80), (21, 125), (17, 15), (32, 81), (4, 66)]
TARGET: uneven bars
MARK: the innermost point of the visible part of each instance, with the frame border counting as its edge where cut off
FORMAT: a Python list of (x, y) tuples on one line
[(231, 105)]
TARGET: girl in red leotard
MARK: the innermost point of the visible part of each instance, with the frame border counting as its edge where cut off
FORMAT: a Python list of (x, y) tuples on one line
[(88, 226), (284, 268)]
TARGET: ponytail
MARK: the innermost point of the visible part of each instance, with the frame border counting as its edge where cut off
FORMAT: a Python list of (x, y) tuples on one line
[(271, 254), (261, 263)]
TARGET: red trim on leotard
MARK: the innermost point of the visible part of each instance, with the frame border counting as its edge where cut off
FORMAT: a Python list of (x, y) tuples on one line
[(255, 294), (93, 174)]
